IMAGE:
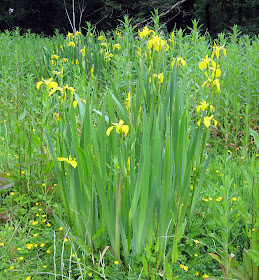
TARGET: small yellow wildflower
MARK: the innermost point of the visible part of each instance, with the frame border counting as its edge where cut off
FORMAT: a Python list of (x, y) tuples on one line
[(12, 193), (23, 172), (60, 228), (90, 274), (234, 199), (35, 223), (48, 251), (205, 276), (196, 241), (42, 245), (116, 262), (29, 246), (11, 267), (197, 273), (28, 278)]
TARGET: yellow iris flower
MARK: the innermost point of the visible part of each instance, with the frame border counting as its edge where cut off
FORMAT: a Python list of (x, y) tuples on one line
[(116, 46), (205, 62), (158, 43), (216, 50), (145, 32), (207, 121), (127, 102), (120, 128), (69, 160), (204, 105), (179, 59), (50, 85), (83, 52)]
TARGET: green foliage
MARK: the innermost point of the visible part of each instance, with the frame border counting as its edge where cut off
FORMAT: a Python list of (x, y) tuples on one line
[(142, 192)]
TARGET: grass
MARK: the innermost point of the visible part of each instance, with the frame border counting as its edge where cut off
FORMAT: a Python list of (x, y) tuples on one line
[(168, 194)]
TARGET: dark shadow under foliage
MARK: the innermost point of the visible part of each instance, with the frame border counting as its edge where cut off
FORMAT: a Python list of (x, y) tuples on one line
[(48, 15)]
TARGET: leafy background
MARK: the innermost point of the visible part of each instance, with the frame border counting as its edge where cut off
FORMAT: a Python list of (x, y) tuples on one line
[(46, 16)]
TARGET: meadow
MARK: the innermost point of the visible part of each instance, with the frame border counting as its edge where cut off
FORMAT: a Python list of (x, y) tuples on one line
[(130, 154)]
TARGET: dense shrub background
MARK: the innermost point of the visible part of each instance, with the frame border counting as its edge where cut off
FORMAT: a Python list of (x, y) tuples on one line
[(48, 15)]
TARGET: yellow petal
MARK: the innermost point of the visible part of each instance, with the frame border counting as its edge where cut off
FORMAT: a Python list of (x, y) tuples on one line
[(75, 103), (108, 131), (212, 108), (203, 65), (38, 85), (218, 73), (51, 92), (207, 121), (125, 129), (73, 163), (204, 83), (225, 52)]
